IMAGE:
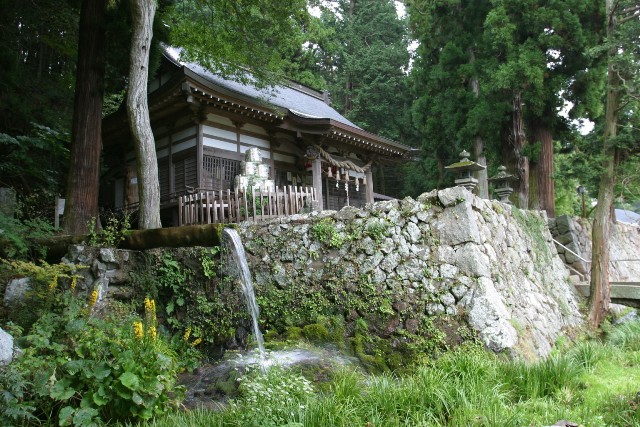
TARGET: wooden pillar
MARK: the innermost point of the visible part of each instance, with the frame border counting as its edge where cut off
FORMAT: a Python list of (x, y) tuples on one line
[(316, 172), (369, 190), (200, 152)]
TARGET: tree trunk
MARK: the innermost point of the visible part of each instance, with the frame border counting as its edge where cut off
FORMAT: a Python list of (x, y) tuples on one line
[(86, 131), (478, 143), (142, 13), (534, 196), (545, 193), (599, 290), (513, 141)]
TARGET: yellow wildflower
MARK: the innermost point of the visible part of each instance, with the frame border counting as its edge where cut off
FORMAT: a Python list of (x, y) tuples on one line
[(137, 330), (196, 342), (74, 282), (53, 283), (153, 333), (94, 297), (186, 335), (150, 310)]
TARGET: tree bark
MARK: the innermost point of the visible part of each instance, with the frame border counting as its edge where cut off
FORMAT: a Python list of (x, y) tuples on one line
[(545, 193), (599, 289), (142, 13), (513, 141), (86, 130), (478, 143)]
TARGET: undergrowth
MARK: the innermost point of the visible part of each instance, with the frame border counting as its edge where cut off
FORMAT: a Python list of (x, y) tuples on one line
[(593, 383)]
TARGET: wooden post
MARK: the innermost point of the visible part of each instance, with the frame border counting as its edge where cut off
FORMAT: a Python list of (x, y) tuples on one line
[(316, 171), (369, 187)]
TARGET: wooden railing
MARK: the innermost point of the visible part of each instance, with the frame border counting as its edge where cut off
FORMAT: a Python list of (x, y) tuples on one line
[(211, 207)]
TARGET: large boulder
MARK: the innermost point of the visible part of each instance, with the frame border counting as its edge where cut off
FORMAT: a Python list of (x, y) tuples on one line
[(6, 348)]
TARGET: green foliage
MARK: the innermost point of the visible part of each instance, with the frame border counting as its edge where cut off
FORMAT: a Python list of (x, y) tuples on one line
[(625, 336), (15, 236), (316, 332), (192, 294), (208, 262), (468, 386), (293, 333), (542, 379), (269, 398), (44, 281), (33, 162), (322, 230), (249, 35), (377, 230), (112, 233), (38, 63), (81, 370)]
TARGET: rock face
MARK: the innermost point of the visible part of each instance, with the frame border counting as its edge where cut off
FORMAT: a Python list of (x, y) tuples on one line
[(107, 270), (575, 234), (447, 254), (6, 348)]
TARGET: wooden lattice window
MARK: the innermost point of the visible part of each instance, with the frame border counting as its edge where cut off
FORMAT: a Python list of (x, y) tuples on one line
[(218, 173)]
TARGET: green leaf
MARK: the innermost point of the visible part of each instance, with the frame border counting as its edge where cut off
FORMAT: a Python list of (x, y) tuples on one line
[(180, 301), (137, 399), (130, 380), (170, 307), (101, 371), (65, 416), (61, 390), (85, 417), (100, 397)]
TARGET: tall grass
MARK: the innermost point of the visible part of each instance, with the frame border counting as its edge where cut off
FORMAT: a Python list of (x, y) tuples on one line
[(465, 387)]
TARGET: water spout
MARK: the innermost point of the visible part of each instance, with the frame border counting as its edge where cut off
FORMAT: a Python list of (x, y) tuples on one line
[(232, 239)]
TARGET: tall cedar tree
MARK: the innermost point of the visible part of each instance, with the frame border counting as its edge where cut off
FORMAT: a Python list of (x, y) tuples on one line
[(366, 69), (622, 99), (86, 131), (495, 70)]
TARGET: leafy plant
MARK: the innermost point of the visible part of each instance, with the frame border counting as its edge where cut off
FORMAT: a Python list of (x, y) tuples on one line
[(15, 235), (82, 370), (113, 233), (268, 399), (45, 281), (323, 230)]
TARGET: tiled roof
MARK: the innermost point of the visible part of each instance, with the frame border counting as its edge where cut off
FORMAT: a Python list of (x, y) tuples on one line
[(294, 100)]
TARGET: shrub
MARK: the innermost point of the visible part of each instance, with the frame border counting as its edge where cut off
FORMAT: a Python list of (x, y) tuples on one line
[(78, 369), (13, 237)]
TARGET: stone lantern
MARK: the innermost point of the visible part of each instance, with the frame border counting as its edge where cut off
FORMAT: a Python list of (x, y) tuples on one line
[(502, 180), (464, 170)]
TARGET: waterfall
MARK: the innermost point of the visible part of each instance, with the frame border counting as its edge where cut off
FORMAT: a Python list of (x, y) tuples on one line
[(232, 239)]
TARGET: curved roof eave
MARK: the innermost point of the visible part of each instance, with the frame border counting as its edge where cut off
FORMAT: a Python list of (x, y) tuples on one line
[(351, 133)]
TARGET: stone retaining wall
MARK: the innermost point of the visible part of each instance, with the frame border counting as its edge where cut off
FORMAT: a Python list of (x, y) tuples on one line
[(575, 234), (446, 254), (448, 259)]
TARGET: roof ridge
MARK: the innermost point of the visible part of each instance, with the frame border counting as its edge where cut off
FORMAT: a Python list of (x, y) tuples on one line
[(292, 84)]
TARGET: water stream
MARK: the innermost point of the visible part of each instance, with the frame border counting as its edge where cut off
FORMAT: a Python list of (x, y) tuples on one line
[(232, 239)]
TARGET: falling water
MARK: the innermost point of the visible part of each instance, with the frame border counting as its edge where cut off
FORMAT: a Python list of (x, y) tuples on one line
[(232, 238)]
